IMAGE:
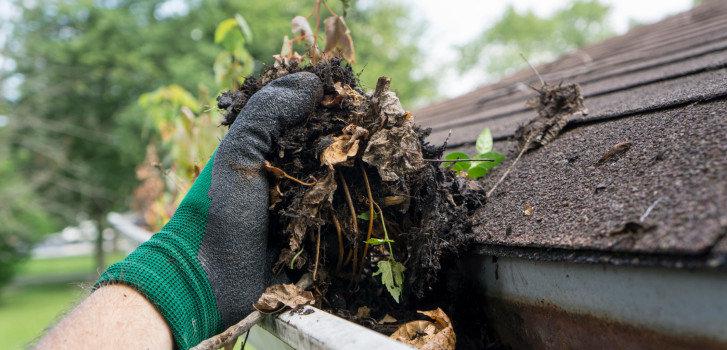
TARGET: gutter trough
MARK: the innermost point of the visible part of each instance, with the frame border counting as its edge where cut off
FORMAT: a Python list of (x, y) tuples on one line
[(563, 305), (543, 305)]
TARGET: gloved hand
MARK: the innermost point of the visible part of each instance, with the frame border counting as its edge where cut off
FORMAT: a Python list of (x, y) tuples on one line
[(208, 264)]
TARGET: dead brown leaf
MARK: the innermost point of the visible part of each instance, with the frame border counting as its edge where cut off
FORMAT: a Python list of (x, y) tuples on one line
[(338, 38), (349, 94), (426, 334), (287, 56), (319, 193), (528, 209), (338, 152), (276, 196), (278, 296), (363, 312), (394, 152), (344, 146), (299, 25), (387, 319)]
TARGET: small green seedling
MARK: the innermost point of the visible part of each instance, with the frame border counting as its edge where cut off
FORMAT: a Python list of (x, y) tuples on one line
[(392, 276), (477, 165)]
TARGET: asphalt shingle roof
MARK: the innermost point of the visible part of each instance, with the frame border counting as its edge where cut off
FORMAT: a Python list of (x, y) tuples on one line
[(660, 87)]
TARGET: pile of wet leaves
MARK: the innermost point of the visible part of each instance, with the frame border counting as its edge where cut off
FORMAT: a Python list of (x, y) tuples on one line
[(359, 201)]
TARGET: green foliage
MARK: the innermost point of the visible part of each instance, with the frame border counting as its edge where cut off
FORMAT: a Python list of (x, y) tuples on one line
[(365, 216), (477, 165), (79, 129), (21, 212), (392, 276), (484, 141), (498, 48), (377, 241)]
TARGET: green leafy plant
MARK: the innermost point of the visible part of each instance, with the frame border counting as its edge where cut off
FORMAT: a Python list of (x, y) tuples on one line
[(392, 276), (390, 270), (477, 165)]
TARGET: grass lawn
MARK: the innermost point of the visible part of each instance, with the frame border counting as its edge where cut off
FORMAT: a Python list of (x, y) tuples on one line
[(58, 266), (26, 310)]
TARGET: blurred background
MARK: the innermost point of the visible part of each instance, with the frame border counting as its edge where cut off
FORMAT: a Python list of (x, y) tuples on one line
[(107, 107)]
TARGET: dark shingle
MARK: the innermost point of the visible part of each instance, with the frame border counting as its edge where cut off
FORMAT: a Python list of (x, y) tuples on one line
[(663, 89)]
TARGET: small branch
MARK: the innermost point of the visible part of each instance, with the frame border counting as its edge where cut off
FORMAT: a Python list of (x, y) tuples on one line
[(371, 215), (352, 209), (339, 233), (230, 335), (318, 253), (542, 82), (507, 172), (457, 160), (280, 173)]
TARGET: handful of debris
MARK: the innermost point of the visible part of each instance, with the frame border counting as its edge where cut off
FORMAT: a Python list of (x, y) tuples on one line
[(358, 200)]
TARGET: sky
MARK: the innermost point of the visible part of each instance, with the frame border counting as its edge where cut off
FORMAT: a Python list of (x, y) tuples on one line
[(453, 22), (457, 21)]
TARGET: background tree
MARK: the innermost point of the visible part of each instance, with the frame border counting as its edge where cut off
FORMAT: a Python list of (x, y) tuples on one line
[(497, 49), (76, 130)]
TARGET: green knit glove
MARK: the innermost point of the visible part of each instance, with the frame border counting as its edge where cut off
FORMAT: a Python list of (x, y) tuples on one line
[(208, 264)]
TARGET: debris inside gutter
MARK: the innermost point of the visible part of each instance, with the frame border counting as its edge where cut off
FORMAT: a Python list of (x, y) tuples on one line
[(361, 203)]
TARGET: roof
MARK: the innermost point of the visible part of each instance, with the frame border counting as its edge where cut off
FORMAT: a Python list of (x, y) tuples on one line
[(660, 89)]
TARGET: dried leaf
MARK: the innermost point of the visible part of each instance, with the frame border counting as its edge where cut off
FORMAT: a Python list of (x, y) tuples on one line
[(276, 196), (319, 193), (390, 109), (331, 101), (300, 26), (426, 334), (349, 94), (344, 146), (393, 200), (279, 296), (287, 56), (528, 209), (363, 312), (337, 152), (387, 319), (338, 38), (394, 152)]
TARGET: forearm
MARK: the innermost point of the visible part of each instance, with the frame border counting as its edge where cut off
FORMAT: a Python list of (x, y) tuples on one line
[(113, 316)]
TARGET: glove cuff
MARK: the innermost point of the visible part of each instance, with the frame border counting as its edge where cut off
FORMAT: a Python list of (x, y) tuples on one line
[(166, 269)]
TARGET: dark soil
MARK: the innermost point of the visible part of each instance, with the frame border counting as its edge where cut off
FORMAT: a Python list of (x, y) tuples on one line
[(426, 207)]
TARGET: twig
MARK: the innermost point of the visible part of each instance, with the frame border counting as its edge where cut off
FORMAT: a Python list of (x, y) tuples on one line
[(649, 209), (457, 160), (542, 82), (318, 253), (281, 173), (339, 233), (230, 335), (371, 215), (353, 220), (507, 172)]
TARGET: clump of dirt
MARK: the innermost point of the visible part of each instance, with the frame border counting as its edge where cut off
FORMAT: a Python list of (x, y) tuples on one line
[(357, 171), (556, 105)]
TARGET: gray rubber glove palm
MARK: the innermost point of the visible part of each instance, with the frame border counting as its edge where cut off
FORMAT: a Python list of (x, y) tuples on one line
[(207, 266)]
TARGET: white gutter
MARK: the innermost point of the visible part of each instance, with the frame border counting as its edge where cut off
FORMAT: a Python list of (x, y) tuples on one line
[(306, 328), (675, 302)]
